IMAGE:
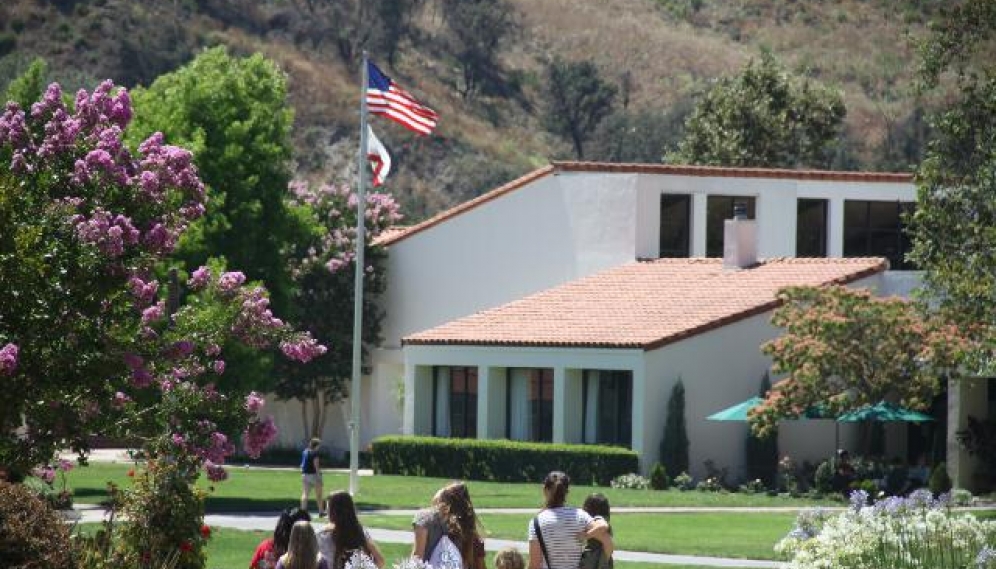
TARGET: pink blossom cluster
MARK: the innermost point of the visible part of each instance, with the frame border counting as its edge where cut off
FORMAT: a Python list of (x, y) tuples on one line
[(110, 233), (143, 291), (255, 320), (200, 278), (8, 359), (217, 449), (215, 472), (164, 166), (254, 403), (258, 435), (336, 250), (45, 473), (231, 281), (303, 349)]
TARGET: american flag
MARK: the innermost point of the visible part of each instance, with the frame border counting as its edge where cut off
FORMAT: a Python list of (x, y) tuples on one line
[(386, 99)]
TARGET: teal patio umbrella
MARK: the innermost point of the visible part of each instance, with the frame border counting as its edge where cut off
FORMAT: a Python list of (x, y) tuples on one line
[(883, 411), (740, 411), (737, 412)]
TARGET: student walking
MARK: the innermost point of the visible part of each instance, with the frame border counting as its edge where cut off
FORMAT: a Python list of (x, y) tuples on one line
[(311, 476), (557, 534)]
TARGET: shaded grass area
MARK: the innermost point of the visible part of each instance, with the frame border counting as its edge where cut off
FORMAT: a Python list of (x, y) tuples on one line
[(721, 534), (271, 489)]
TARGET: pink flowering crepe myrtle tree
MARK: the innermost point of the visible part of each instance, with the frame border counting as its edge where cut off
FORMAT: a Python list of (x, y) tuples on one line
[(323, 272), (86, 342)]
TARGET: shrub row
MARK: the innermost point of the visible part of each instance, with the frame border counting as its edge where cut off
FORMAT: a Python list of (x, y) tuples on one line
[(500, 460)]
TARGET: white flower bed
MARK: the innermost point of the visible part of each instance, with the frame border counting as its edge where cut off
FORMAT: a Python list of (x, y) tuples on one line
[(896, 533)]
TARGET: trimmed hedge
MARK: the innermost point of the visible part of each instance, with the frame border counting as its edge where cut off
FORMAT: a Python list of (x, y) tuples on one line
[(500, 460)]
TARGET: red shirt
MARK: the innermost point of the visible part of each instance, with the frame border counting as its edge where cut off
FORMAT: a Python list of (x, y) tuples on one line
[(265, 556)]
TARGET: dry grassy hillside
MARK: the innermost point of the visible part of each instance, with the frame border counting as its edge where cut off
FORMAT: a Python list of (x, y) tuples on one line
[(672, 50)]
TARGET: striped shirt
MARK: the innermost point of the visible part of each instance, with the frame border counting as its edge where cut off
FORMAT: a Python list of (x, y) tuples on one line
[(563, 533)]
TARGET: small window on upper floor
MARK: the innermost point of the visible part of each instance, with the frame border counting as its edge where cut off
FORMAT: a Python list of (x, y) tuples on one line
[(718, 210), (676, 225), (877, 229), (811, 228)]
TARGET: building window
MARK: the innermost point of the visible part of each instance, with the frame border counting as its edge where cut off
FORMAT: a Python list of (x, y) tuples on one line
[(676, 215), (811, 228), (607, 404), (454, 412), (530, 404), (876, 229), (718, 210)]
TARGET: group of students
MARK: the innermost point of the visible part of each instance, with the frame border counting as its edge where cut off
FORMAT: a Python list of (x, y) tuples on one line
[(448, 533)]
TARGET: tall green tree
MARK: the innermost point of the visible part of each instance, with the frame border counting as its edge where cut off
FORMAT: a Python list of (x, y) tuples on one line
[(477, 29), (577, 99), (761, 453), (954, 227), (674, 447), (233, 113), (763, 117)]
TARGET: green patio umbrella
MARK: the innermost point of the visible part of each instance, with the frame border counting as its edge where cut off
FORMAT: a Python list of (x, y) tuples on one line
[(883, 411), (738, 412)]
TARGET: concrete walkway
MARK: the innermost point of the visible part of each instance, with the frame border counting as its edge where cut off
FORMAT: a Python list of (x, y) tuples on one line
[(266, 523)]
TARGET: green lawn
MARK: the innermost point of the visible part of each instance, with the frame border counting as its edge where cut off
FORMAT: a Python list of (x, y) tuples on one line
[(262, 490), (746, 536)]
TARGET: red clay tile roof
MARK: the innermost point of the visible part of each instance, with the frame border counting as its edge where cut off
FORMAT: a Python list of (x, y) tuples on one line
[(386, 239), (645, 304)]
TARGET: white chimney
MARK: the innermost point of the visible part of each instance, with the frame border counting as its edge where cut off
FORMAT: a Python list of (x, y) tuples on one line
[(739, 240)]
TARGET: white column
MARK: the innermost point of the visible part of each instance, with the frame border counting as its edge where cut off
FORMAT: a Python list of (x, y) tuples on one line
[(418, 400), (566, 405), (698, 229), (491, 399), (639, 425), (835, 228)]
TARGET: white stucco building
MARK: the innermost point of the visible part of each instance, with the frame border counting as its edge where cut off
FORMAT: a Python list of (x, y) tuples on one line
[(564, 305)]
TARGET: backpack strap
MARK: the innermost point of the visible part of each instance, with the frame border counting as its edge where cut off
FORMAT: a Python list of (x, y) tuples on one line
[(539, 536)]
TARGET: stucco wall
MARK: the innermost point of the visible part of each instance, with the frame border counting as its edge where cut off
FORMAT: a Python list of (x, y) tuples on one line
[(554, 230)]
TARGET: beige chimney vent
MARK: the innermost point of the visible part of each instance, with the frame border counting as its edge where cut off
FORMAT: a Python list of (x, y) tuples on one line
[(739, 240)]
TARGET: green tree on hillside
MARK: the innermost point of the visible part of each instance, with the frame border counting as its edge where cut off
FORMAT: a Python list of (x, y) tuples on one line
[(763, 117), (478, 28), (577, 99), (638, 135), (233, 113), (29, 86)]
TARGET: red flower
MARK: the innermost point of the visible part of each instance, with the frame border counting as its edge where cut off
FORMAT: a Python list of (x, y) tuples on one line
[(205, 532), (186, 546)]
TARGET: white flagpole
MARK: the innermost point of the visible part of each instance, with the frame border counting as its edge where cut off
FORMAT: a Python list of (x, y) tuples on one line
[(354, 390)]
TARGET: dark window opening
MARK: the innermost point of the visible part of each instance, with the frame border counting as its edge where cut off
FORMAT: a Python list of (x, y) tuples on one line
[(877, 229), (718, 210), (454, 397), (607, 404), (676, 214), (811, 228)]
